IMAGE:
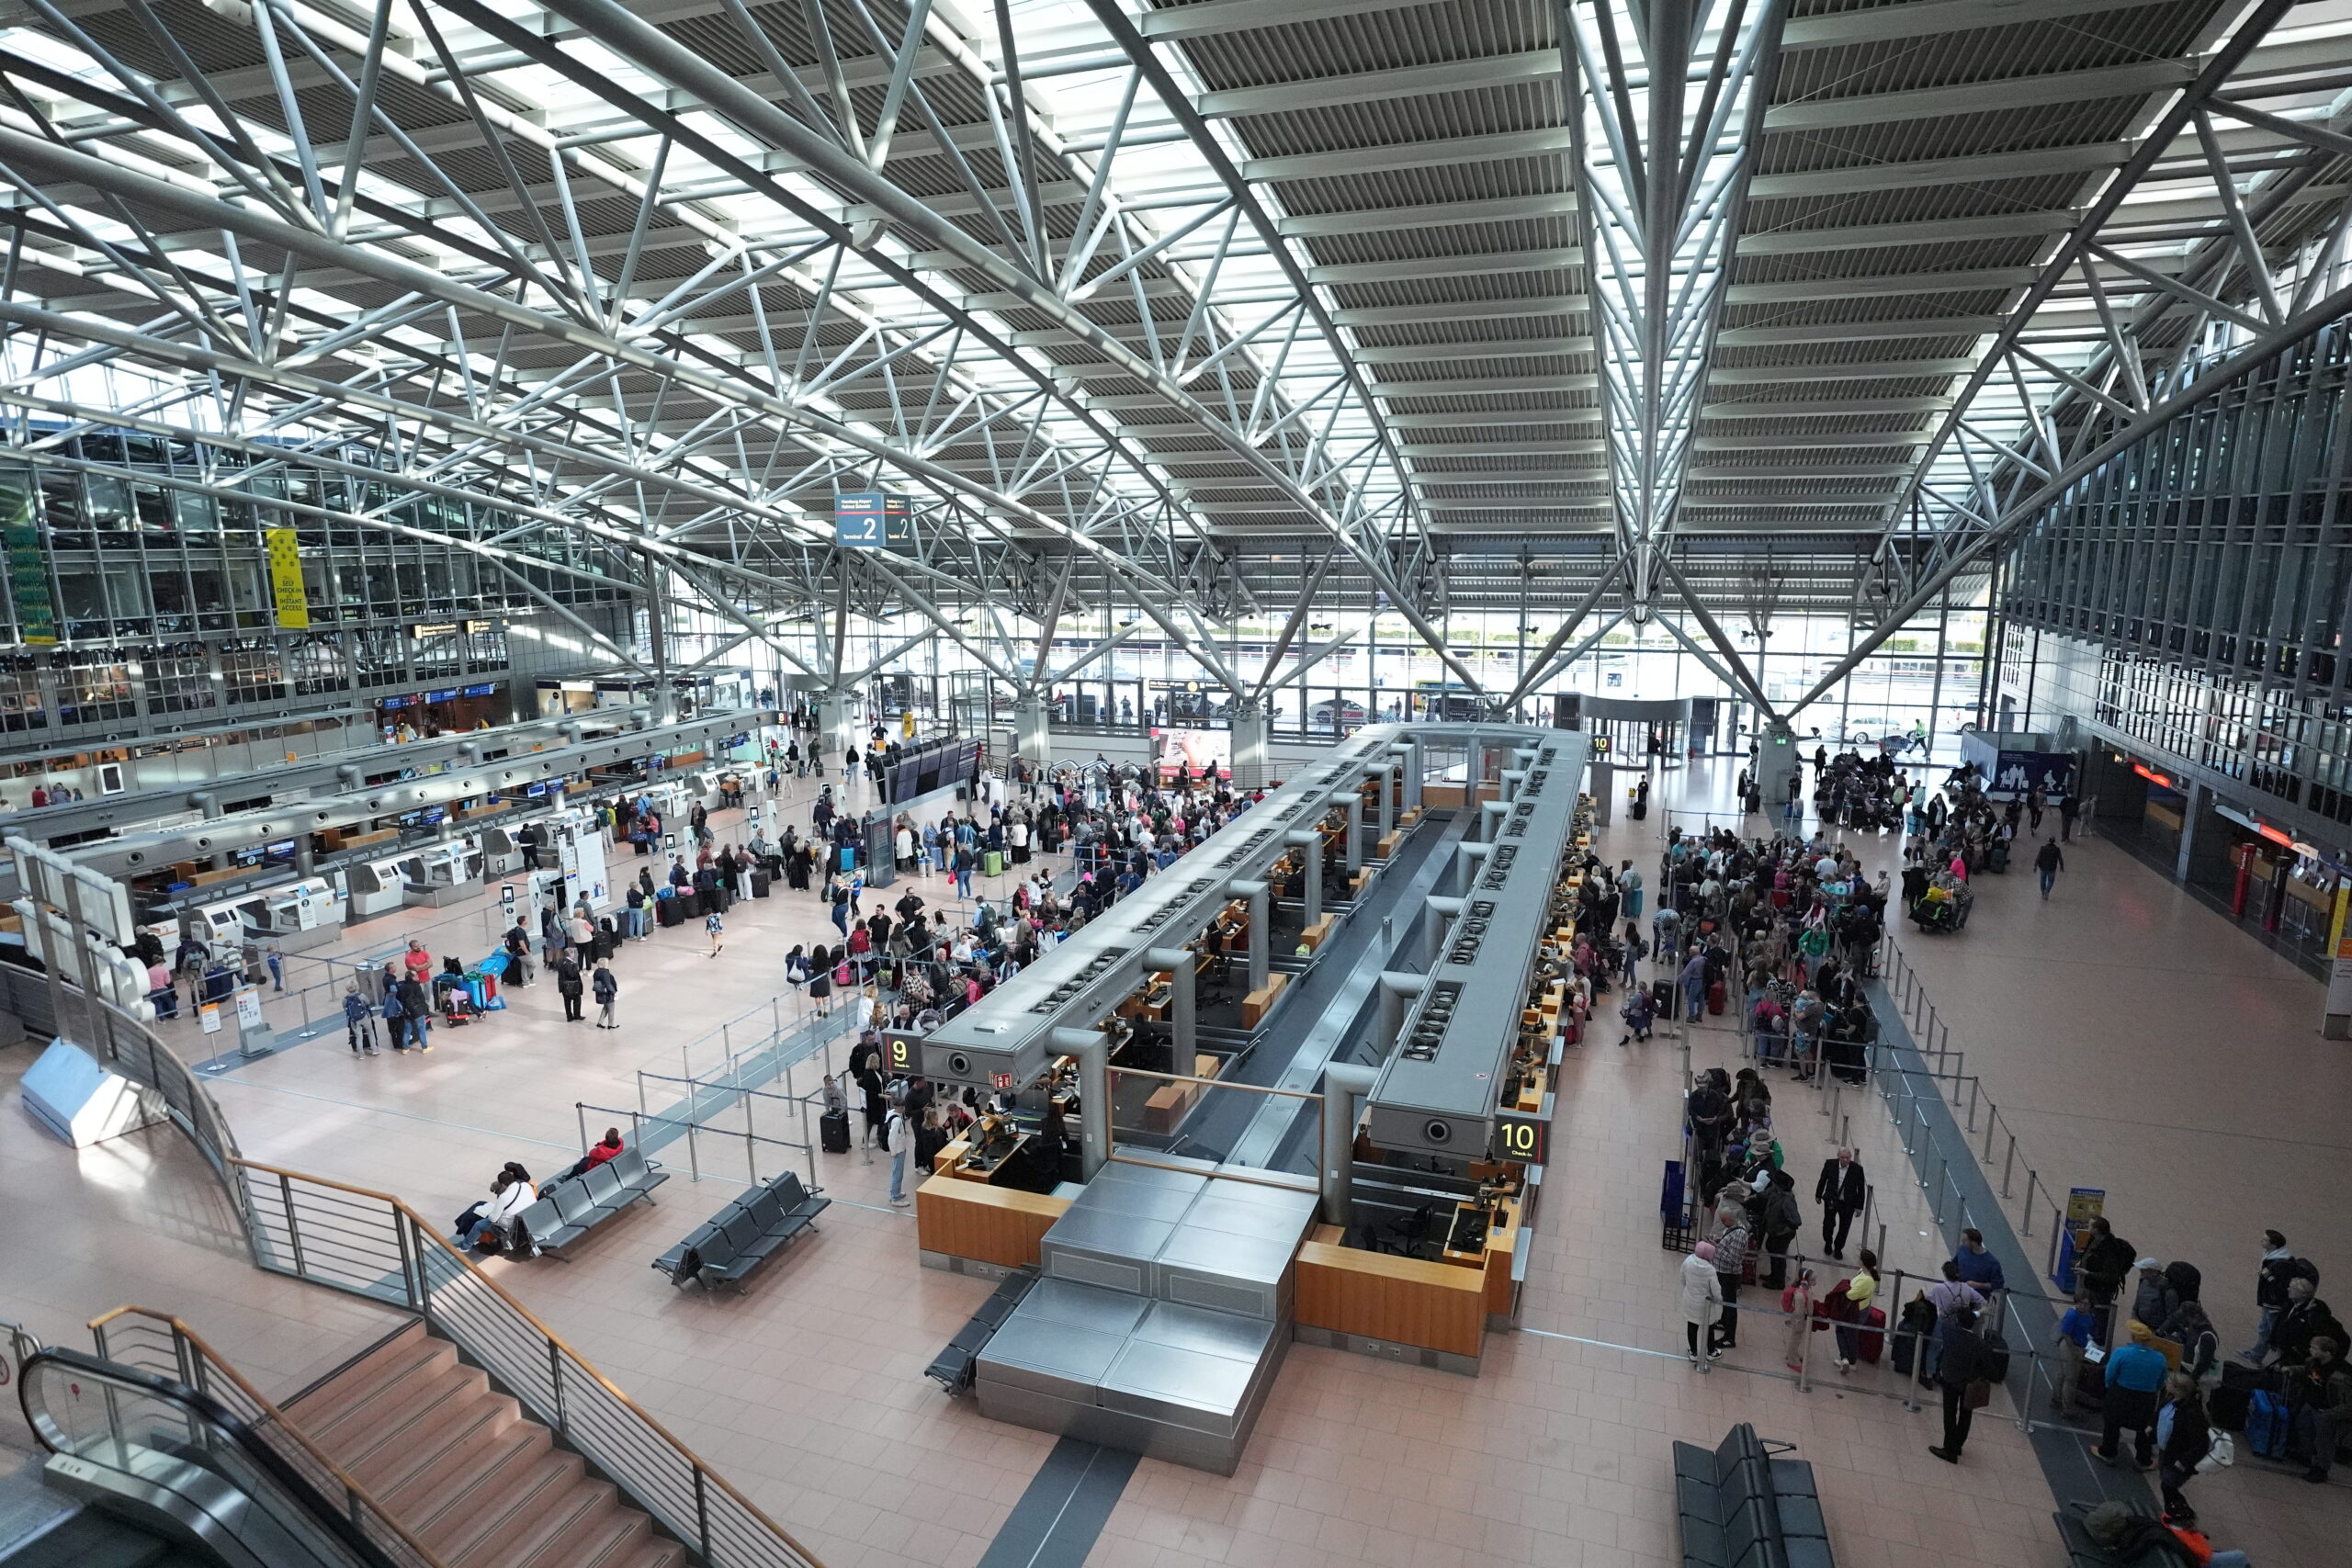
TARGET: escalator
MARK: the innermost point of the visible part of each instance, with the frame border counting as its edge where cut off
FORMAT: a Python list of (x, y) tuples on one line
[(145, 1472)]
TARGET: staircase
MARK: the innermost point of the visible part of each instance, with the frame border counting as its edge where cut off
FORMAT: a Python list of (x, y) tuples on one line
[(472, 1479)]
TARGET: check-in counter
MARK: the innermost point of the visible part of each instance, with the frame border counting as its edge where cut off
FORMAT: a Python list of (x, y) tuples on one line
[(964, 1222), (298, 915), (1171, 1102), (1257, 1004), (375, 888), (1381, 1303), (444, 873)]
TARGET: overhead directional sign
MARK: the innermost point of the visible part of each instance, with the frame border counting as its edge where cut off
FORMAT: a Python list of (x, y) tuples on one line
[(857, 520)]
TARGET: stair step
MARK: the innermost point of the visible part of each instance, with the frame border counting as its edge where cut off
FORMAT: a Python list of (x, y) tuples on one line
[(658, 1553), (537, 1517), (490, 1511), (595, 1531), (404, 1413), (352, 1390), (421, 1497), (466, 1428)]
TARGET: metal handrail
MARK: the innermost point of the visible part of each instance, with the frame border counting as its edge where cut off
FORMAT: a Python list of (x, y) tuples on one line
[(121, 1399), (473, 1310), (197, 1364)]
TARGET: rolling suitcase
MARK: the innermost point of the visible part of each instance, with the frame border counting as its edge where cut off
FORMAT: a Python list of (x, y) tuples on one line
[(1715, 999), (1871, 1341), (760, 881), (1662, 997), (993, 864), (849, 857), (671, 911), (833, 1132)]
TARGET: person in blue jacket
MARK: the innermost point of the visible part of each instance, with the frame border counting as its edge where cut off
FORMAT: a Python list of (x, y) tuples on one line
[(1977, 1264), (2135, 1379)]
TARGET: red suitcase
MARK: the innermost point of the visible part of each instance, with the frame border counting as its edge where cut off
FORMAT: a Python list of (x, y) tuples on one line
[(1871, 1340), (1715, 998)]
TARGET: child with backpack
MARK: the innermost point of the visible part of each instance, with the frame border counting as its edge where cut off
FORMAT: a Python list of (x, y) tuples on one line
[(717, 927), (359, 1021)]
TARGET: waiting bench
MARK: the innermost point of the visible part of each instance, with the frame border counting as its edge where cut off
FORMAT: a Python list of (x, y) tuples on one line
[(952, 1369), (726, 1247), (566, 1211), (1741, 1508)]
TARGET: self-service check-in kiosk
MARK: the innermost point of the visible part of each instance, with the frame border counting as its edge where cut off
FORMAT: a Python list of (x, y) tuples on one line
[(375, 888), (220, 924), (298, 915), (442, 875), (501, 854)]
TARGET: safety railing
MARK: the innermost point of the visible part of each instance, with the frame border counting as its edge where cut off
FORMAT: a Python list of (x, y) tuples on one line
[(688, 1121), (371, 1243), (146, 1429), (1909, 1092), (156, 1342), (130, 1049)]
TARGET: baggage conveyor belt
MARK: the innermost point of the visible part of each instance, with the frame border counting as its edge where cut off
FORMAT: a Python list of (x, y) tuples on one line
[(1337, 995)]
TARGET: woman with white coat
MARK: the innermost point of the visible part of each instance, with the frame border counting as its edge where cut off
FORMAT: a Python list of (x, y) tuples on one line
[(1703, 1302)]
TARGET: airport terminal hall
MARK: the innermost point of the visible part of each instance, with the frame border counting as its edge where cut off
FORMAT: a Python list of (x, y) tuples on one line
[(1352, 783)]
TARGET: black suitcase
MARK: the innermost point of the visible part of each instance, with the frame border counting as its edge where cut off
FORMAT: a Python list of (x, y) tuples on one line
[(1662, 997), (760, 881), (671, 911), (833, 1132)]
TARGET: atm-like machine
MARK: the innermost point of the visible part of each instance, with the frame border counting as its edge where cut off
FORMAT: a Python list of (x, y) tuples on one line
[(441, 875), (298, 915), (376, 886)]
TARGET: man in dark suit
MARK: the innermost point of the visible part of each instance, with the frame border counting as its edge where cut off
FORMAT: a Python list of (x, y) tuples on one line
[(1839, 1192)]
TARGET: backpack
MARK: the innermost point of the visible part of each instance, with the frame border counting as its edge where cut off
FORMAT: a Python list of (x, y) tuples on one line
[(1996, 1356), (2266, 1424), (2303, 1269), (393, 1011)]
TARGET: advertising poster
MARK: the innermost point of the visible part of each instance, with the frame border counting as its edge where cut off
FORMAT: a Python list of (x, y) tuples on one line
[(286, 578), (1192, 748)]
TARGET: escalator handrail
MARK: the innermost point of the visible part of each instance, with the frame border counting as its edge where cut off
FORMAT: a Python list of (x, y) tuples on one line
[(320, 1510)]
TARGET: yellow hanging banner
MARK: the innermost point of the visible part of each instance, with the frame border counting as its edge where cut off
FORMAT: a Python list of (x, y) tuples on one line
[(286, 578)]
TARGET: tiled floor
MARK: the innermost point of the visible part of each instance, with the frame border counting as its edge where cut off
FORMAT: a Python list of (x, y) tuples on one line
[(808, 1392)]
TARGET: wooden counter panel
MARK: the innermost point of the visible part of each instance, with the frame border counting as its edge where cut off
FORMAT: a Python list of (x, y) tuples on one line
[(1442, 798), (993, 1224), (1403, 1300), (1502, 1247)]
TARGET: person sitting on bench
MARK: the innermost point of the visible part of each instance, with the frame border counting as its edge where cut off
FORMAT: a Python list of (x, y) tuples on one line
[(510, 1192), (595, 1156)]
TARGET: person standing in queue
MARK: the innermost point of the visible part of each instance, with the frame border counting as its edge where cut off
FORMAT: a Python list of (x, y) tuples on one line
[(1964, 1375), (1840, 1192), (568, 985)]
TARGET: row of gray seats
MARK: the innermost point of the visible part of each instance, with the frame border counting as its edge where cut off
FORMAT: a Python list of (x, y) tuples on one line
[(725, 1248), (1742, 1507), (566, 1211)]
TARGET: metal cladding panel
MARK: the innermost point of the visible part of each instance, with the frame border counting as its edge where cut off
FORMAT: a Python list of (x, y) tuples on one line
[(1183, 1388), (1097, 1247), (1206, 1333), (1138, 1202), (1438, 1089), (1157, 1178), (1038, 1353), (1203, 1268), (1267, 1222), (1084, 1306)]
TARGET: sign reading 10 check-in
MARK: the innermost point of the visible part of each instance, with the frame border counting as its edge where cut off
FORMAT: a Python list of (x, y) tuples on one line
[(869, 520)]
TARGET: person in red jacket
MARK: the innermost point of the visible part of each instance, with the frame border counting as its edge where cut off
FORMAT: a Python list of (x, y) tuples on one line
[(597, 1155)]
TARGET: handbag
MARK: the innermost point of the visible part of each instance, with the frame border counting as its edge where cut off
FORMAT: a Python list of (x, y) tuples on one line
[(1979, 1395)]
